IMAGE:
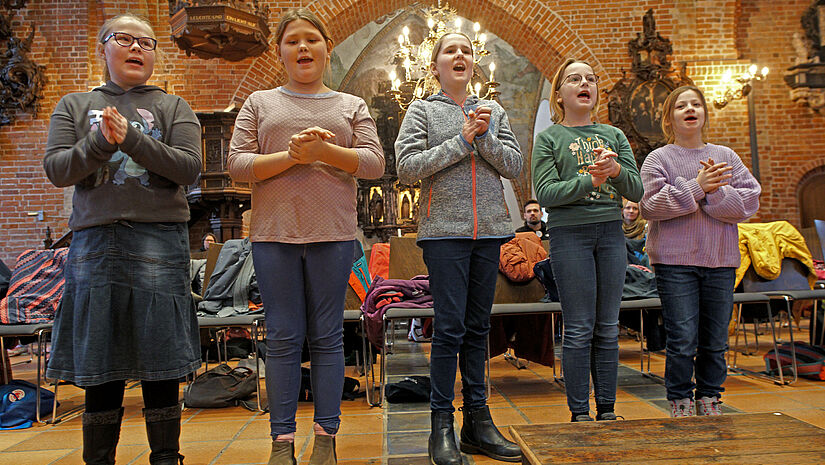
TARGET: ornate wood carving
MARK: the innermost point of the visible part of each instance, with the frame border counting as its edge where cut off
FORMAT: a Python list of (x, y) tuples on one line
[(807, 77), (635, 102), (22, 79), (228, 29), (215, 193), (385, 206)]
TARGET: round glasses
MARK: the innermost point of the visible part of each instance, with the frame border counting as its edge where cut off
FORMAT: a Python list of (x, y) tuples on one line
[(126, 40), (576, 79)]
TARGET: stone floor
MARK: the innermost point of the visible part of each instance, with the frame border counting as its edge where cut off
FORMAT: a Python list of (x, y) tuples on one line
[(396, 434)]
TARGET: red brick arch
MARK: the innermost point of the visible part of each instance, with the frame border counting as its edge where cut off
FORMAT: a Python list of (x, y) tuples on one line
[(532, 29)]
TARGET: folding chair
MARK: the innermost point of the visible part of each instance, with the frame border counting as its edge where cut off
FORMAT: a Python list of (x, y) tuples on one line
[(790, 285), (35, 329), (254, 324)]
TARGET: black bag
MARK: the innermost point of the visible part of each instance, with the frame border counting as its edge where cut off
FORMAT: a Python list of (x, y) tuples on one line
[(410, 389), (220, 387), (351, 387)]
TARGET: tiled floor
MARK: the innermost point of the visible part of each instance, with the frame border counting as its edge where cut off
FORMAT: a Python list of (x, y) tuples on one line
[(397, 434)]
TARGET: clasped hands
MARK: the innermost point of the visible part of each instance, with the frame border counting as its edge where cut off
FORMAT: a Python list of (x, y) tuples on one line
[(605, 166), (113, 125), (478, 121), (713, 175), (309, 145)]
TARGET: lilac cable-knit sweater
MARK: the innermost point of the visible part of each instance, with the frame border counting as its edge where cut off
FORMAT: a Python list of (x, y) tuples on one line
[(687, 226)]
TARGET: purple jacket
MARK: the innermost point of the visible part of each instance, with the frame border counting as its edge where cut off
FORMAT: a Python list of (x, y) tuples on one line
[(392, 293)]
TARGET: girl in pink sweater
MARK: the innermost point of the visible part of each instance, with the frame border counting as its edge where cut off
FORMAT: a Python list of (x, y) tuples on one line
[(695, 194)]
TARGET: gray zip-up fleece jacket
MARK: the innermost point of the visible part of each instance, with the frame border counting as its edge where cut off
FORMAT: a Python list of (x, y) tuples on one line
[(461, 191)]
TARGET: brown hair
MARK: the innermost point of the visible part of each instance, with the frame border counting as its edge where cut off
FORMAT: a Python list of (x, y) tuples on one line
[(432, 83), (310, 17), (670, 104), (558, 80), (106, 29)]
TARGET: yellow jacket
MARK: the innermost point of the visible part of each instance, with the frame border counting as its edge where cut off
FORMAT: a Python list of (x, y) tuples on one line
[(764, 245)]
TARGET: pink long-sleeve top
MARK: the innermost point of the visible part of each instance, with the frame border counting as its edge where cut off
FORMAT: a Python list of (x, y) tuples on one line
[(305, 203), (686, 225)]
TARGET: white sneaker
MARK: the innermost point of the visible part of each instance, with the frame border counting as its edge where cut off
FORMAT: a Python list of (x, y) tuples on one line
[(681, 408), (708, 406)]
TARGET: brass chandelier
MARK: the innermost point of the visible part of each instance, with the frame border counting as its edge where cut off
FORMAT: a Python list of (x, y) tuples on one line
[(415, 81)]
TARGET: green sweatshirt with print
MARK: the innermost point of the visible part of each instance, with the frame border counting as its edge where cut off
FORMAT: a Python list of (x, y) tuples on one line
[(562, 183)]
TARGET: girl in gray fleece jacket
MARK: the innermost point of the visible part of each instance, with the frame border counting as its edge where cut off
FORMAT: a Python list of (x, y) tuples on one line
[(460, 147)]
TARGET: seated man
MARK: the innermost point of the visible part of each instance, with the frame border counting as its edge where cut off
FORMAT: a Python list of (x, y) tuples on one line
[(532, 219)]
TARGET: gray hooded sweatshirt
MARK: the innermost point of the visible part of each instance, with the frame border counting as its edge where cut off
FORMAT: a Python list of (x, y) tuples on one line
[(462, 196), (139, 180)]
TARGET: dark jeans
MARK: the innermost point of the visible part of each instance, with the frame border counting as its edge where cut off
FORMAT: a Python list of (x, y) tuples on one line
[(303, 287), (589, 264), (696, 305), (463, 276)]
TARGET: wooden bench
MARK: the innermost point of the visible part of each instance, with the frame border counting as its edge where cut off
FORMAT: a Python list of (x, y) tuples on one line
[(740, 438)]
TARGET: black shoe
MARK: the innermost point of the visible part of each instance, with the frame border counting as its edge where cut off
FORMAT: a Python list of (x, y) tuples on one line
[(441, 445), (163, 431), (480, 436), (101, 431)]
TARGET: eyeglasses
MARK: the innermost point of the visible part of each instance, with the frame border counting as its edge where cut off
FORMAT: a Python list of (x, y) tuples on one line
[(576, 79), (126, 40)]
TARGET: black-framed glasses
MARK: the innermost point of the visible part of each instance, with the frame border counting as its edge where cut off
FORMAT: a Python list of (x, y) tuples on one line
[(126, 40), (576, 79)]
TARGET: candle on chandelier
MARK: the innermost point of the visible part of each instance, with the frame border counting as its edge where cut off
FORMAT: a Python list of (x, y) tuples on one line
[(492, 70)]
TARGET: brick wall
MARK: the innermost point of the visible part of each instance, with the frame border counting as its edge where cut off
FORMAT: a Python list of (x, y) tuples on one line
[(710, 36)]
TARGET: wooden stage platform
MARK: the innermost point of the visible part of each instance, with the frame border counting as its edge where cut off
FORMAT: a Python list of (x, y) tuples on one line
[(761, 438)]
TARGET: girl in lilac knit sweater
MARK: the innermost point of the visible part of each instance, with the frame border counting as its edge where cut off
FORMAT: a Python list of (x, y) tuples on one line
[(695, 194)]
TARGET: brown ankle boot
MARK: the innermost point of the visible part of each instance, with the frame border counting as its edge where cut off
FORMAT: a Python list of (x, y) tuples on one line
[(323, 451), (283, 453)]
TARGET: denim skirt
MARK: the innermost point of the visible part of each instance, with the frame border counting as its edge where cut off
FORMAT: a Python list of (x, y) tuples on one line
[(127, 310)]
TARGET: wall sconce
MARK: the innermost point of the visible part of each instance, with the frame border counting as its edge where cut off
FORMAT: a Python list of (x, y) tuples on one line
[(739, 87)]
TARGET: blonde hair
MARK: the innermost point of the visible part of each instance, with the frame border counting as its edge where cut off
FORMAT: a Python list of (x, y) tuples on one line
[(670, 105), (107, 27), (432, 83), (558, 80)]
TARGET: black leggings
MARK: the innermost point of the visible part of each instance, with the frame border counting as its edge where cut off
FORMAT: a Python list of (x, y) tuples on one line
[(109, 396)]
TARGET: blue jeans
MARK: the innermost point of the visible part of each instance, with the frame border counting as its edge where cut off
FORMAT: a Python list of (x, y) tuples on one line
[(303, 287), (696, 306), (589, 262), (463, 276)]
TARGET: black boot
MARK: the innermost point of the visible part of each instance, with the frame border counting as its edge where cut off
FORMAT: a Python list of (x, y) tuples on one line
[(441, 445), (101, 430), (480, 436), (163, 431)]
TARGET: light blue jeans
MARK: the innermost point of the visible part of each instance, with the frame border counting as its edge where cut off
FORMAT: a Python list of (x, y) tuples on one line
[(303, 287), (589, 263)]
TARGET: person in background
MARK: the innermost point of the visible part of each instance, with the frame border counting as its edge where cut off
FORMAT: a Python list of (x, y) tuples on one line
[(207, 240), (532, 219), (633, 225)]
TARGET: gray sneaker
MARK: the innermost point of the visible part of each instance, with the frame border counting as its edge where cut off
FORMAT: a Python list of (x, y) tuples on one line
[(708, 406), (585, 417), (681, 408)]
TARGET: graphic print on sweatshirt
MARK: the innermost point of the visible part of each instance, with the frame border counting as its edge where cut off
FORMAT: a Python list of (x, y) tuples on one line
[(582, 148), (121, 167)]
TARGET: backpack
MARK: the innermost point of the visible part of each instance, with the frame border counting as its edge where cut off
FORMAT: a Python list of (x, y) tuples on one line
[(35, 287), (810, 360), (350, 392), (219, 387), (18, 404)]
